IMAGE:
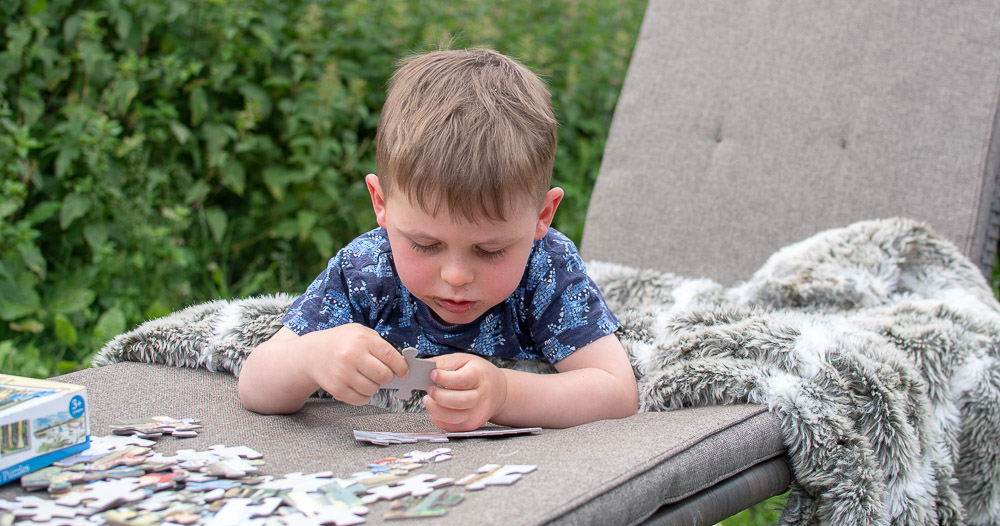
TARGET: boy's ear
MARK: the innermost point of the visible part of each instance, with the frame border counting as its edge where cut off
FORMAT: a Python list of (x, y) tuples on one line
[(378, 198), (548, 211)]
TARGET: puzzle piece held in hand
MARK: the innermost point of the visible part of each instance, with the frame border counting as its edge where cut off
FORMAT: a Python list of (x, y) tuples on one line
[(495, 475), (418, 379)]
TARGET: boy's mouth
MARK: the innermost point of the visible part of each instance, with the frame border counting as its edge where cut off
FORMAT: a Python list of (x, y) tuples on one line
[(454, 306)]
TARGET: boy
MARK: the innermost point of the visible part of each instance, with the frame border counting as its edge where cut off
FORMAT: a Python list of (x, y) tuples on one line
[(463, 264)]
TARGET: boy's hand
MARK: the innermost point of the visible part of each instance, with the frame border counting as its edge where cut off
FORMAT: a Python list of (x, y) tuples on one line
[(355, 362), (469, 392)]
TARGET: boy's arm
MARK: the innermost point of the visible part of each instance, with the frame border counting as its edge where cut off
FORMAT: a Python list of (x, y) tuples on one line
[(349, 361), (594, 383)]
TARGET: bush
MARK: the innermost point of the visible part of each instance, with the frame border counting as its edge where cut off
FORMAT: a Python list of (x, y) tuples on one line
[(160, 153)]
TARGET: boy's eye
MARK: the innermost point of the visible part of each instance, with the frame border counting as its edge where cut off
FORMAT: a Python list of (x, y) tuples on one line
[(491, 254), (423, 248)]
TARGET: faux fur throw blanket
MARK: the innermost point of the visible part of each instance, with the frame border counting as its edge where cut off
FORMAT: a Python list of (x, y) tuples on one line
[(875, 344)]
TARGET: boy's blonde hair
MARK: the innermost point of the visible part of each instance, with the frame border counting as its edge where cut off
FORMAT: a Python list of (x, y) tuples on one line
[(470, 130)]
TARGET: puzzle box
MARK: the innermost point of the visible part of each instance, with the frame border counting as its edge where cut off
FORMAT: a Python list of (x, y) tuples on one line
[(41, 421)]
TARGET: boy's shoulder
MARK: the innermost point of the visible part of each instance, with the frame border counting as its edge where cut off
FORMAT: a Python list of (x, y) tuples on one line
[(557, 242), (372, 242), (367, 254), (556, 247)]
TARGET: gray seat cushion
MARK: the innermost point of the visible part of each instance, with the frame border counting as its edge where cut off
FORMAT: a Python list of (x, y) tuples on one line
[(746, 126), (608, 472)]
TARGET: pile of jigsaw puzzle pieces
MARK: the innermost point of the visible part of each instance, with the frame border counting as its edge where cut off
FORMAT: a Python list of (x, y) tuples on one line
[(120, 480)]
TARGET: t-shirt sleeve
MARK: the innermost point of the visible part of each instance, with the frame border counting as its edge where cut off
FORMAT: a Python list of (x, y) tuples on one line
[(324, 304), (568, 309)]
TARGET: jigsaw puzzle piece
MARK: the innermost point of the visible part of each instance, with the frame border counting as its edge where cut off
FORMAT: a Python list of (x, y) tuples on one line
[(242, 511), (417, 485), (495, 475), (329, 516), (438, 455), (157, 426), (57, 479), (417, 379), (104, 494), (220, 461), (298, 481), (38, 509), (433, 505), (101, 446), (386, 438), (127, 456)]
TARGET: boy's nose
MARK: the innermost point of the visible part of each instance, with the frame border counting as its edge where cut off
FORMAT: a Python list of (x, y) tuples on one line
[(455, 273)]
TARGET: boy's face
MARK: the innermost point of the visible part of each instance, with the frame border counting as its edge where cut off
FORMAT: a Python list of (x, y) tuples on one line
[(458, 268)]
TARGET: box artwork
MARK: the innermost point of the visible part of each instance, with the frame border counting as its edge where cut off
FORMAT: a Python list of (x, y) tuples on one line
[(41, 421)]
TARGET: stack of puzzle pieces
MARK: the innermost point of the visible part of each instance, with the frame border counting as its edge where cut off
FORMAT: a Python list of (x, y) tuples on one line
[(120, 480)]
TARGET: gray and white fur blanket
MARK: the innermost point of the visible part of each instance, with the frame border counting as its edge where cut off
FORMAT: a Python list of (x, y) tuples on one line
[(875, 344)]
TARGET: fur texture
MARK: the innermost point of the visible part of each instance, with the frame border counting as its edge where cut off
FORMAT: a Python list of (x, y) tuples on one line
[(876, 345)]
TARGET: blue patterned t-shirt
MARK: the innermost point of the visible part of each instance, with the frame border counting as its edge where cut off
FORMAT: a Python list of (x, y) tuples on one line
[(555, 310)]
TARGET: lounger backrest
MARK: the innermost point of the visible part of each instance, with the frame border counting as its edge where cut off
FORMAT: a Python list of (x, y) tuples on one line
[(746, 125)]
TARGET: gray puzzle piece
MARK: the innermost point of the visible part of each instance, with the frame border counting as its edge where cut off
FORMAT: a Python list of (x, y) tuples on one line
[(418, 379)]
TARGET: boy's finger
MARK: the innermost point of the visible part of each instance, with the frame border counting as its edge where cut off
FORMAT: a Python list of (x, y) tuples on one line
[(391, 357), (443, 417), (461, 379), (375, 372), (453, 398)]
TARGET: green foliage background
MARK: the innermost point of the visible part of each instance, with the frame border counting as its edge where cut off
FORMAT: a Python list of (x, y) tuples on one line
[(160, 153)]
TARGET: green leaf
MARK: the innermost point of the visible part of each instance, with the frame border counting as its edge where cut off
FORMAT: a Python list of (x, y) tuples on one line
[(257, 98), (217, 221), (323, 241), (217, 136), (74, 206), (96, 235), (68, 301), (38, 6), (33, 258), (9, 65), (123, 23), (17, 300), (8, 207), (71, 27), (286, 229), (110, 324), (307, 220), (64, 159), (234, 177), (121, 93), (197, 192), (65, 331), (42, 212), (18, 36), (180, 131), (198, 102)]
